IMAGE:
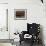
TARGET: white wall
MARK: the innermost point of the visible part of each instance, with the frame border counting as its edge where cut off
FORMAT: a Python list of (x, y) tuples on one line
[(35, 13), (3, 21), (3, 1)]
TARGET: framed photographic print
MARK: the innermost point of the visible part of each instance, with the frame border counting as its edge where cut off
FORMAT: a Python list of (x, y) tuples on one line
[(20, 14)]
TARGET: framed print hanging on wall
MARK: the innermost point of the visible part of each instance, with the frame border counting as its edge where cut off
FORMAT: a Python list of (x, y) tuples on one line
[(20, 14)]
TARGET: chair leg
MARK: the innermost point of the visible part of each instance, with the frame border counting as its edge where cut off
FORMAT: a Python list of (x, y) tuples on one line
[(32, 42), (20, 42)]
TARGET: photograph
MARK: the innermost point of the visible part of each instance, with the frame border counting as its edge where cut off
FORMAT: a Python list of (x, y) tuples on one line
[(20, 14)]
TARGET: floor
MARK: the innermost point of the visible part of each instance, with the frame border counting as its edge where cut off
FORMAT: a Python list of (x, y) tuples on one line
[(22, 44), (5, 44), (27, 44)]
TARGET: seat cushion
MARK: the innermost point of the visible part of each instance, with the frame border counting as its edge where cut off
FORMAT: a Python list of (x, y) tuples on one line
[(27, 36)]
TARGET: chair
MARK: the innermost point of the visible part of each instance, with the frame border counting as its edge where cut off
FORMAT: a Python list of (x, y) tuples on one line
[(33, 30)]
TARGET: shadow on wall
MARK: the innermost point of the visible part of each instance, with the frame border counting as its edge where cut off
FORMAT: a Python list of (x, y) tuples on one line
[(41, 34)]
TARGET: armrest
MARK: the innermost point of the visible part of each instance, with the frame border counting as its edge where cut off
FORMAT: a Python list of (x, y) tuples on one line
[(24, 32), (22, 35)]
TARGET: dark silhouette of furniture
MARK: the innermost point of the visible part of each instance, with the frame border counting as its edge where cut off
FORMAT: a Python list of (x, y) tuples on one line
[(42, 1), (33, 30)]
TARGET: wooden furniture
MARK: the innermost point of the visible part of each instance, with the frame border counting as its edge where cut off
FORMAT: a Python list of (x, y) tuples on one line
[(32, 29)]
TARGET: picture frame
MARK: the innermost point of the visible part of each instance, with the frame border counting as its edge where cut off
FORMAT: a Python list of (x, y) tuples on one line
[(20, 14)]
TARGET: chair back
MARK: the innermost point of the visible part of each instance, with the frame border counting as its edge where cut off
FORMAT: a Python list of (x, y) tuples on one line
[(33, 28)]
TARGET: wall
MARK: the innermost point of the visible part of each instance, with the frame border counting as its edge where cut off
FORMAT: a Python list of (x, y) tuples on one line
[(3, 34), (35, 13), (45, 29), (3, 1), (3, 21)]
